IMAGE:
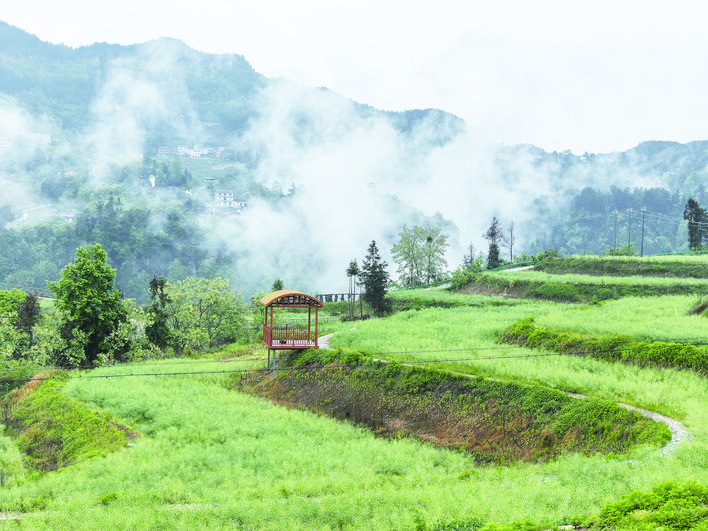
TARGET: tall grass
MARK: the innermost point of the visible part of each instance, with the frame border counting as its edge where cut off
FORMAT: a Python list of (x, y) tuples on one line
[(656, 318), (666, 282), (211, 458)]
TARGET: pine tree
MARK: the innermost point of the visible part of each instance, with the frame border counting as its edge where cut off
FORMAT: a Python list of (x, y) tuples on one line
[(494, 234), (375, 280)]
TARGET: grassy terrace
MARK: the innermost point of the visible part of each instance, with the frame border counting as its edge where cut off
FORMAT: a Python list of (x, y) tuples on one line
[(212, 458), (691, 266), (571, 287)]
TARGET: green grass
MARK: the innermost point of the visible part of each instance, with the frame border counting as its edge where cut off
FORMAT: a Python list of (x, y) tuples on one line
[(55, 430), (580, 288), (496, 421), (212, 458), (687, 266), (655, 318), (667, 283)]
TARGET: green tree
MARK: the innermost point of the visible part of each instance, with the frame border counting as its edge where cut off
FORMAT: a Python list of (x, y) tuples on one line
[(28, 314), (352, 273), (472, 262), (420, 255), (205, 313), (10, 301), (375, 280), (277, 285), (157, 332), (434, 247), (697, 219), (407, 255), (91, 308)]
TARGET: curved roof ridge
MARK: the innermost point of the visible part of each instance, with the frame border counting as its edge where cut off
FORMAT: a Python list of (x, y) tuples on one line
[(275, 296)]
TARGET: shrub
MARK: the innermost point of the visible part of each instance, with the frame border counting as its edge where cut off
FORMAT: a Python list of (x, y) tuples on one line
[(609, 347), (669, 506), (556, 291)]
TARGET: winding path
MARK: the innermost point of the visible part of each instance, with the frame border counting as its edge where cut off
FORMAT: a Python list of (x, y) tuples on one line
[(679, 433)]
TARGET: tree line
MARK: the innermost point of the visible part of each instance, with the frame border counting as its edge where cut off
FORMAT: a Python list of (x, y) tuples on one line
[(419, 255), (90, 323)]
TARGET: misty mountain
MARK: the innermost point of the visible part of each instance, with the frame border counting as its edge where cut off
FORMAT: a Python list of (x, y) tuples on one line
[(185, 163), (211, 96)]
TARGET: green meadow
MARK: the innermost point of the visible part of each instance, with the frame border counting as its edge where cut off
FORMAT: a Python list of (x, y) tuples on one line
[(209, 457)]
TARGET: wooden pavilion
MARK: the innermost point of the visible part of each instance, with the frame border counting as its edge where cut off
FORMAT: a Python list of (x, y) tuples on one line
[(289, 337)]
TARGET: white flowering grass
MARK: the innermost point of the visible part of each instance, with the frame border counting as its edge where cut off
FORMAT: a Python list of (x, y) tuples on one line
[(211, 458), (664, 318)]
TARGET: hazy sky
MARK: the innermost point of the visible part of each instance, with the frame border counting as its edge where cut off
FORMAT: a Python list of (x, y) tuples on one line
[(592, 76)]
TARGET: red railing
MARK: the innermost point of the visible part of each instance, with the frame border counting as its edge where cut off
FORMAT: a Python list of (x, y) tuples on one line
[(288, 337)]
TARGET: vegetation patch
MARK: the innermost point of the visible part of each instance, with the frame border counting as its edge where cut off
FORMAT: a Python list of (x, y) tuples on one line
[(609, 347), (494, 421), (573, 287), (685, 266), (670, 505), (700, 308), (55, 430)]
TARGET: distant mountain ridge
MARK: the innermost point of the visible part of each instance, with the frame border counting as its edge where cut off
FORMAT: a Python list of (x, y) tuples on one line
[(219, 90), (217, 95), (109, 122)]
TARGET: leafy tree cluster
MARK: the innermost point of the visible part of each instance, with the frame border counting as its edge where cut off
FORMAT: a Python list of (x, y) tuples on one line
[(203, 313), (420, 255), (91, 308), (19, 313), (91, 324)]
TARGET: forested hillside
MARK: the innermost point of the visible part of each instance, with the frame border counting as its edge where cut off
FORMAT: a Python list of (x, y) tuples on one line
[(184, 163)]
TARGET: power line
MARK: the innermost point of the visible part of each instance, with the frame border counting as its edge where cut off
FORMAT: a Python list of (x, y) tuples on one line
[(334, 366)]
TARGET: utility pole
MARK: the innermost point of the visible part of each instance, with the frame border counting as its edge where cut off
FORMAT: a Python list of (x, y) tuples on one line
[(629, 228), (641, 248)]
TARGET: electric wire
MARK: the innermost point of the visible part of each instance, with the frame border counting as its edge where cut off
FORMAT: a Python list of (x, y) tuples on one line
[(581, 353)]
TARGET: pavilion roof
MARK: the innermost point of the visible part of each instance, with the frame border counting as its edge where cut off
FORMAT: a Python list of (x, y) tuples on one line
[(287, 298)]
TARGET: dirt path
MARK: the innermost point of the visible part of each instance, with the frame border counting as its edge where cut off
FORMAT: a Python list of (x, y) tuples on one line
[(323, 341), (679, 433)]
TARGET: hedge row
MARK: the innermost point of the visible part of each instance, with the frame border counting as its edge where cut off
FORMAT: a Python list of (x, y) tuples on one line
[(618, 267), (609, 347), (55, 430), (504, 284), (494, 421)]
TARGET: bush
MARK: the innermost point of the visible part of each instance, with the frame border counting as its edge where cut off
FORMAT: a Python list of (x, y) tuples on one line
[(555, 291), (669, 506), (609, 347)]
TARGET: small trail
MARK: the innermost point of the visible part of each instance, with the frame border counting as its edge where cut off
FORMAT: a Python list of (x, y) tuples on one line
[(323, 341), (679, 433)]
